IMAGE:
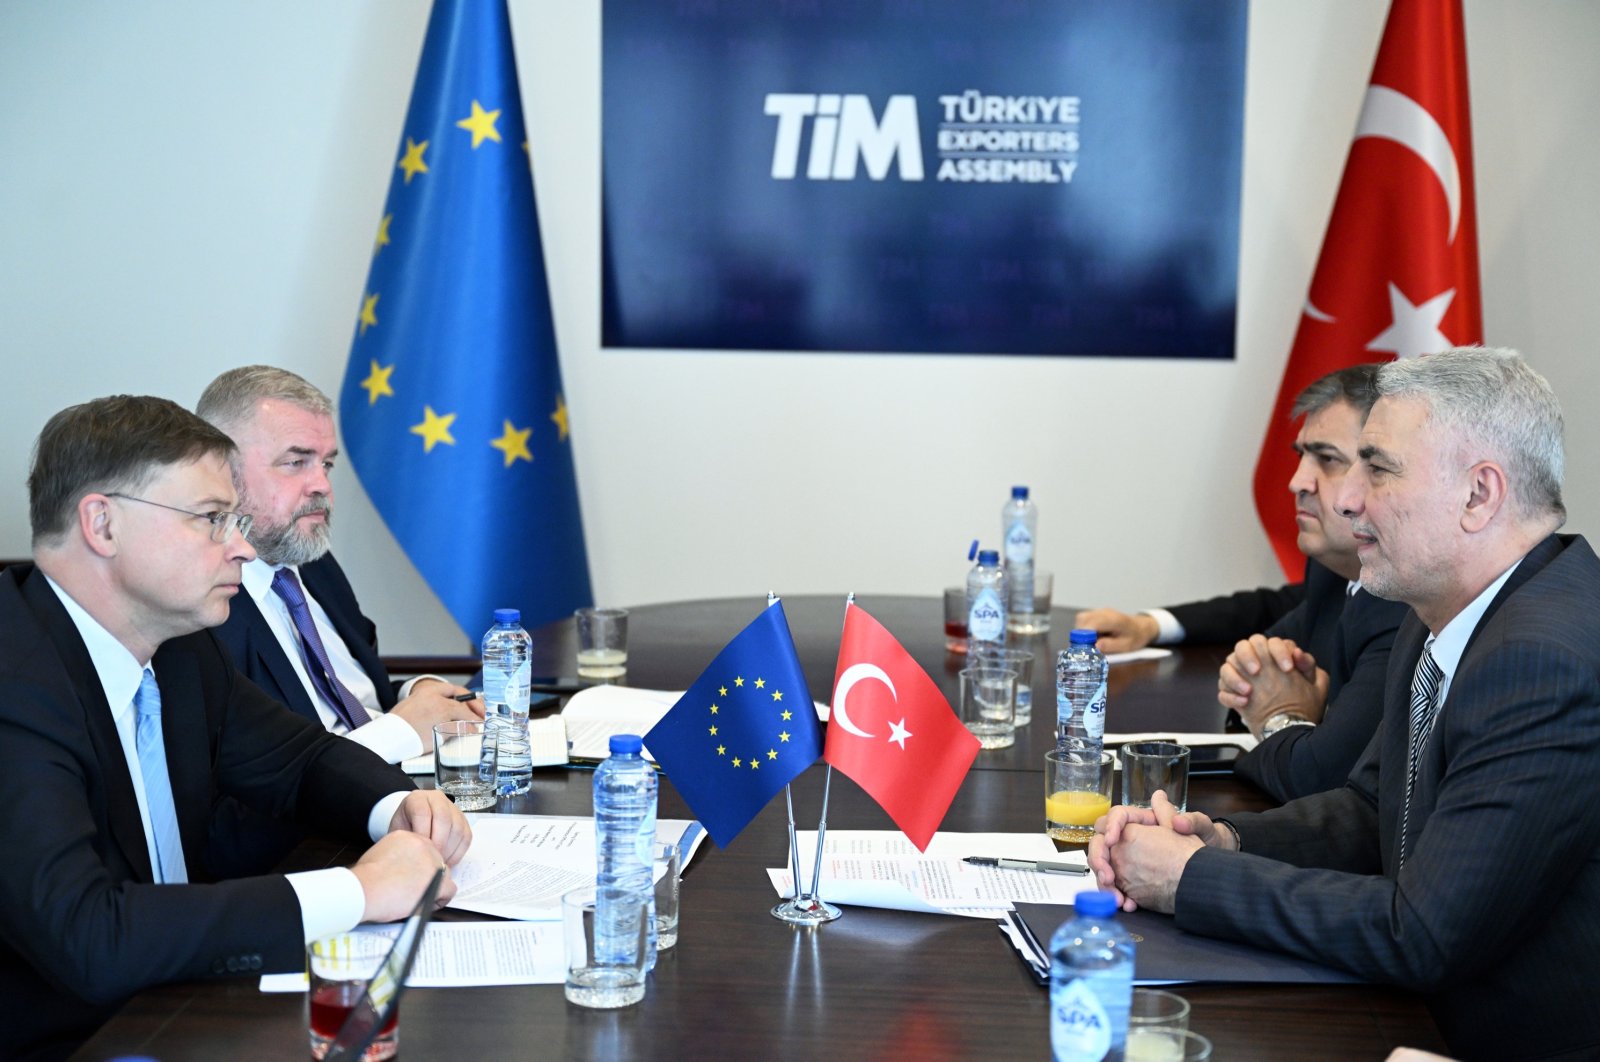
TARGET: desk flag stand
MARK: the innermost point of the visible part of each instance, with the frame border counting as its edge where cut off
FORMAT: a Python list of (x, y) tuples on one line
[(807, 908)]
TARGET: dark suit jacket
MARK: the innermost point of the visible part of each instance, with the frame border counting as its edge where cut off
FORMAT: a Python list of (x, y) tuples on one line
[(1495, 915), (260, 656), (1226, 619), (1350, 635), (82, 924), (255, 843)]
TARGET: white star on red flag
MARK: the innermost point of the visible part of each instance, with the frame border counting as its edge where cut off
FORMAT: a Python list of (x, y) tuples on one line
[(1415, 328)]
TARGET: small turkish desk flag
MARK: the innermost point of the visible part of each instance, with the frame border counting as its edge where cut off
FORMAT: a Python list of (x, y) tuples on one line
[(1398, 273), (893, 732)]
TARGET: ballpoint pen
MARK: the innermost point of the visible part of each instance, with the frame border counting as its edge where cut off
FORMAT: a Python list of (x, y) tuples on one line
[(1041, 866)]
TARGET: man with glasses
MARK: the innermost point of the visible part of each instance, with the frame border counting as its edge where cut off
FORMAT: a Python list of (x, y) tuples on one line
[(124, 716)]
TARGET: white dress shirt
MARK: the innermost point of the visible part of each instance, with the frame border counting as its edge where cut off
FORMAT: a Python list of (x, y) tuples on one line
[(389, 736), (1451, 642)]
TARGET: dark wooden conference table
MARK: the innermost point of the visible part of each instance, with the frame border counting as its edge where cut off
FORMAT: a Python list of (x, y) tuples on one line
[(874, 984)]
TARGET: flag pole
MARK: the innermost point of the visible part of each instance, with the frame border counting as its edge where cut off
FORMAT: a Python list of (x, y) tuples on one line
[(827, 789), (788, 798), (804, 908)]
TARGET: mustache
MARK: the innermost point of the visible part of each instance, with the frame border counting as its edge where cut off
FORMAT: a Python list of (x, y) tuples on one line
[(1363, 529), (315, 505)]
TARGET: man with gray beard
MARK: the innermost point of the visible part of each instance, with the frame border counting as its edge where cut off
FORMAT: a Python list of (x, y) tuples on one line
[(297, 630)]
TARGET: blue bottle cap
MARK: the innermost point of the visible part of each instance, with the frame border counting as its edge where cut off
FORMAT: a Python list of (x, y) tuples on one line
[(989, 558), (626, 743), (1083, 636), (1100, 904), (973, 552), (1020, 493), (508, 615)]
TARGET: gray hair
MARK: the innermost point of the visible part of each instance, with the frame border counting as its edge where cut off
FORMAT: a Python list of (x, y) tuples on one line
[(1357, 385), (1497, 407), (230, 400)]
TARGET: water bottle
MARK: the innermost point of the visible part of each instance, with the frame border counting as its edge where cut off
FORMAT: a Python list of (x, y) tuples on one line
[(1019, 524), (507, 670), (625, 837), (1091, 982), (1081, 697), (986, 602)]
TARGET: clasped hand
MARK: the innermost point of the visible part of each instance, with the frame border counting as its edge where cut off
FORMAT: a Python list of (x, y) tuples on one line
[(1264, 677), (1140, 853)]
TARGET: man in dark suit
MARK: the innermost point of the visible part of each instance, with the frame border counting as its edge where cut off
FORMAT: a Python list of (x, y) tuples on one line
[(1462, 858), (297, 630), (1308, 686), (123, 716)]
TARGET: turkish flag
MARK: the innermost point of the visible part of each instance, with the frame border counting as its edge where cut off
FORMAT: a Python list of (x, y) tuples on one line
[(892, 731), (1398, 273)]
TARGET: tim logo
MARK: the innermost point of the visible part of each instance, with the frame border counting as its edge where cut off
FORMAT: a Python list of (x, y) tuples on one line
[(844, 131)]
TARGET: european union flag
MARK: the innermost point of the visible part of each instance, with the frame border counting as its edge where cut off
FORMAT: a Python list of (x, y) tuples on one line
[(452, 407), (744, 730)]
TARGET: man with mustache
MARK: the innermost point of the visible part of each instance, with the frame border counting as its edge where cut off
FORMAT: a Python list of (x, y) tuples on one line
[(296, 629), (1462, 858), (298, 619), (1310, 687)]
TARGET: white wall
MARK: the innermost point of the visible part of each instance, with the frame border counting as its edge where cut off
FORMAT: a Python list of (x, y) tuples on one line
[(191, 185)]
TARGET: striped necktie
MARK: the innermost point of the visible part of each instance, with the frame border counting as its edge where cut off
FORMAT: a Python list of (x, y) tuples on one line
[(1424, 710), (344, 704), (170, 867)]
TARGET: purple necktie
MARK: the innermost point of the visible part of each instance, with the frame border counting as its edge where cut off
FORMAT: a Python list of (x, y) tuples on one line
[(344, 704)]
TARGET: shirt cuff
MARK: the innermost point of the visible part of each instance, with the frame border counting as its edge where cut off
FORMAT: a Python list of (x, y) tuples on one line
[(331, 901), (411, 684), (1168, 630), (388, 736), (383, 813)]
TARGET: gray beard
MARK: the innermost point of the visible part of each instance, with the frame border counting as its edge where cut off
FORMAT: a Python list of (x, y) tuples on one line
[(288, 546)]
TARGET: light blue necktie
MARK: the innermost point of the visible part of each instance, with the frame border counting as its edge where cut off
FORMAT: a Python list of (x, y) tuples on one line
[(157, 785)]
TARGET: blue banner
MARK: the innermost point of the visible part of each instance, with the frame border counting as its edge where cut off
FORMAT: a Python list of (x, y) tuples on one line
[(452, 408), (1016, 177)]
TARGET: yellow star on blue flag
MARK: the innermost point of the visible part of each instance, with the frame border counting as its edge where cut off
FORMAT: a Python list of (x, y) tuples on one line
[(727, 770), (464, 352)]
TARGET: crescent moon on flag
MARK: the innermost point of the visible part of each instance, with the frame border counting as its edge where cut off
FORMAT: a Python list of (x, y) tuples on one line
[(1391, 115), (852, 675)]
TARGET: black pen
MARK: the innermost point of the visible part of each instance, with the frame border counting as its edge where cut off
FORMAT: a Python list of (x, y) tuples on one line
[(1039, 867), (467, 696)]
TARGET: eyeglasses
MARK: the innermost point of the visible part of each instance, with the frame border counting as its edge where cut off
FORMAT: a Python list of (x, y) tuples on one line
[(222, 524)]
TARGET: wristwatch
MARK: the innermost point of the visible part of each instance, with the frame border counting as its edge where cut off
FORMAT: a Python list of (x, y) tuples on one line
[(1281, 721)]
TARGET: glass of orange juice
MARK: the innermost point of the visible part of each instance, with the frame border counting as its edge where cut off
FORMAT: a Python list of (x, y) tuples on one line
[(1077, 791)]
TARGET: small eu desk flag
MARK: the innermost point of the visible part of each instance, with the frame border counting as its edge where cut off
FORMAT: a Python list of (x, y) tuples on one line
[(452, 407), (743, 731)]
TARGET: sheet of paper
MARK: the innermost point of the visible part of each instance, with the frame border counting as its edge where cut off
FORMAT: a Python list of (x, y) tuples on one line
[(519, 865), (468, 954), (881, 868), (1151, 653), (594, 714), (547, 744)]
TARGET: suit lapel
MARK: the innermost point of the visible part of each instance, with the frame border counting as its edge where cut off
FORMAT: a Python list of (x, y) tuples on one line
[(326, 582), (122, 806), (262, 643)]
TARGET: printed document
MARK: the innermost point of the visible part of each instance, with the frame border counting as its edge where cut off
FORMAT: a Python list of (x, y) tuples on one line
[(882, 868)]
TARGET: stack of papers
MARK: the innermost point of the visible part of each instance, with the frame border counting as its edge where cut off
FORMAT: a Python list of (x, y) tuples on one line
[(881, 868), (517, 868)]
